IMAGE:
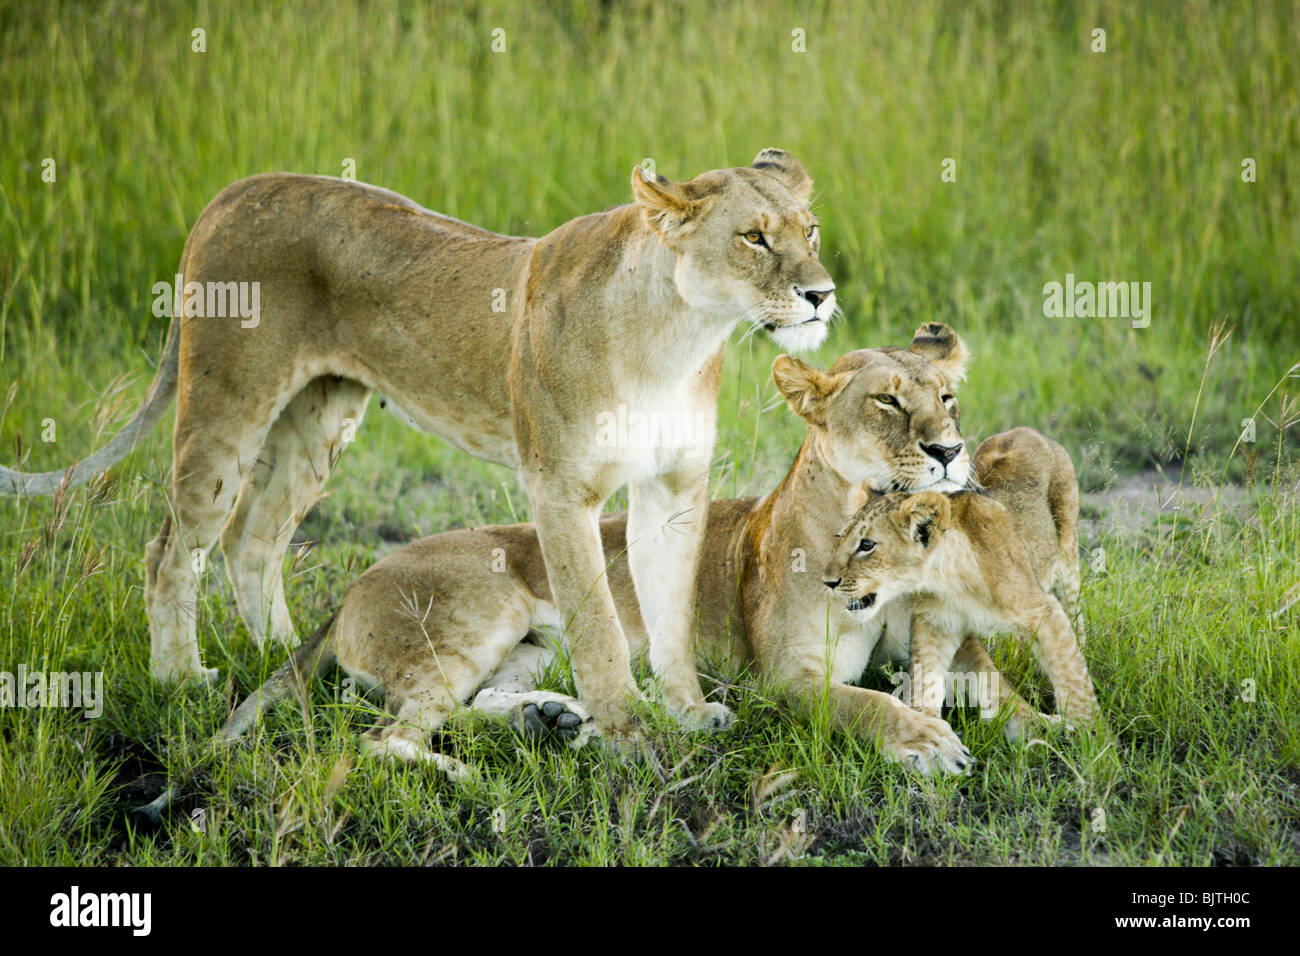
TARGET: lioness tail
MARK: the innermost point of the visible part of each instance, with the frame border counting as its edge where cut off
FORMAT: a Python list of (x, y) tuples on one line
[(161, 391)]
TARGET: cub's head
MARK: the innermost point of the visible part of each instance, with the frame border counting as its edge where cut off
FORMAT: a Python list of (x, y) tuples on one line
[(883, 550), (887, 417), (746, 245)]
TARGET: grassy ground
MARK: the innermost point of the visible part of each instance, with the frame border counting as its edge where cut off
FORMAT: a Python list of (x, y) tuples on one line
[(1123, 165)]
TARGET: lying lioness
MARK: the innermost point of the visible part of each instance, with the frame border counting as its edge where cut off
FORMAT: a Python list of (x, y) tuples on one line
[(459, 611), (512, 349), (973, 563)]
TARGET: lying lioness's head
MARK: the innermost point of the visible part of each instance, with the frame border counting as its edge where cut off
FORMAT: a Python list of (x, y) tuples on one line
[(883, 550), (887, 417), (746, 245)]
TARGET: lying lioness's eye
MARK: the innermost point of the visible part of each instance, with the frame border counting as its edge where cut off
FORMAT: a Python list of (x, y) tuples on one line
[(808, 232), (885, 399), (755, 237), (866, 546)]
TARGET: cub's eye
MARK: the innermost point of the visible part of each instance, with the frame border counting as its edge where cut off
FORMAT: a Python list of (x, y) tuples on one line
[(808, 232), (945, 398), (756, 237), (866, 546), (885, 399)]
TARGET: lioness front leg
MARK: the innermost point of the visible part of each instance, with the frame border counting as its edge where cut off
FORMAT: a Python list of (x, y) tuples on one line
[(919, 741), (569, 536), (665, 526)]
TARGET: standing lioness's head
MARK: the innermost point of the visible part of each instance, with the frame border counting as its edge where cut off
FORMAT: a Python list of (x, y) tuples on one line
[(746, 245)]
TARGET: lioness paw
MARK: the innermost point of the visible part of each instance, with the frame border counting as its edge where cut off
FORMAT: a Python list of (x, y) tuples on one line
[(706, 716), (928, 745), (623, 738), (204, 676), (559, 716), (1018, 726)]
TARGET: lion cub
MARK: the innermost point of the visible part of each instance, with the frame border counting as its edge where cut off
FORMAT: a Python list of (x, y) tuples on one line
[(971, 564)]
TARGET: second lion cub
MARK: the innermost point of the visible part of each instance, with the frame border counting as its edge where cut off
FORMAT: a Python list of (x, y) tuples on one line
[(973, 563)]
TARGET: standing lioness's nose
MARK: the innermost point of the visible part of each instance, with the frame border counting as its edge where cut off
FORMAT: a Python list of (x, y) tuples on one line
[(814, 296)]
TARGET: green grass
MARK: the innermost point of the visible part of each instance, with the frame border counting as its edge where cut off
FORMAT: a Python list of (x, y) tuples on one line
[(1116, 166)]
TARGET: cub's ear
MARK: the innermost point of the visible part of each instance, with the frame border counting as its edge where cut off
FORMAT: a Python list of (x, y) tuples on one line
[(926, 515), (807, 389), (788, 170), (669, 209), (943, 348)]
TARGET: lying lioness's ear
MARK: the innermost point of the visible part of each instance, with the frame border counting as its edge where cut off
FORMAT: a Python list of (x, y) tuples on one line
[(669, 209), (859, 495), (787, 169), (807, 389), (943, 348), (926, 515)]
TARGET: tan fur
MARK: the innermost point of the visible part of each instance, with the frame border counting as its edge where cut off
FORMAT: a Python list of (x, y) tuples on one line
[(432, 622), (508, 348), (973, 563)]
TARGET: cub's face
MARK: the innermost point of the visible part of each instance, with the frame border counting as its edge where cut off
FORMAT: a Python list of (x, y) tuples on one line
[(884, 549), (747, 246), (887, 418)]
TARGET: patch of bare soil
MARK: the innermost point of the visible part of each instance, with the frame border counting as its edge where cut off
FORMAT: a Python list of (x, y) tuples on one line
[(1131, 505)]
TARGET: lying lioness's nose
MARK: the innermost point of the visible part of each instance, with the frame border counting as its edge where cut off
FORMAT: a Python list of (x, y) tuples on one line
[(831, 584), (942, 453)]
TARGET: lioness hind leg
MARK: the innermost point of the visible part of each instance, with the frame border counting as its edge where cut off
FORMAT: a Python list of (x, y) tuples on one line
[(406, 738), (512, 695), (207, 467), (279, 489), (427, 663), (539, 713)]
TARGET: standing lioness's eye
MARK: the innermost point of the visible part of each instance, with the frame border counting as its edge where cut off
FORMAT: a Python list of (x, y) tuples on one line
[(755, 237), (808, 232)]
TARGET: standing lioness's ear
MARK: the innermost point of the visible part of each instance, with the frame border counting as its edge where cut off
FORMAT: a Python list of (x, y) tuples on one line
[(943, 348), (669, 209), (788, 170)]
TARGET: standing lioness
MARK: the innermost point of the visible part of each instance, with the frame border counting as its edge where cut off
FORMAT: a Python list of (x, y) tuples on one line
[(510, 348)]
